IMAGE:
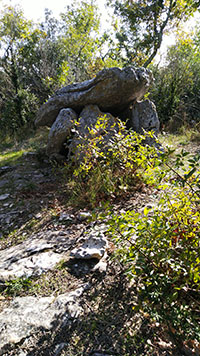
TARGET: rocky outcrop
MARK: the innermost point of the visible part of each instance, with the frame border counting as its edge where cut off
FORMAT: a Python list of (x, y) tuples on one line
[(38, 254), (41, 252), (26, 316), (112, 90)]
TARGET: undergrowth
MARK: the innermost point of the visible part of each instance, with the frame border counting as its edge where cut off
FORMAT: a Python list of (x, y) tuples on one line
[(109, 162), (159, 248)]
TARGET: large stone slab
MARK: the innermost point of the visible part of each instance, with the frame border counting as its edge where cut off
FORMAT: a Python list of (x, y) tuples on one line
[(112, 90), (144, 116), (25, 316), (38, 254)]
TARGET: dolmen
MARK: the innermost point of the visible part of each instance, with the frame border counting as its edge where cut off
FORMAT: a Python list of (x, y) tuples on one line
[(114, 92)]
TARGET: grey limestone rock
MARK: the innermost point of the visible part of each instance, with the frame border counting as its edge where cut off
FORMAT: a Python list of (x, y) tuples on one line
[(60, 130), (25, 316), (38, 254), (144, 116), (84, 215), (88, 118), (112, 90), (4, 196), (95, 246)]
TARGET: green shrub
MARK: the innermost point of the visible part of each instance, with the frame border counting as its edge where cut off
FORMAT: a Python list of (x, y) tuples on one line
[(16, 286), (161, 249), (18, 113), (110, 161)]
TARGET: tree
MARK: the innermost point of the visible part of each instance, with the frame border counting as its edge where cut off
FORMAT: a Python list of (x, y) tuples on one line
[(15, 33), (177, 83), (80, 38), (144, 22), (30, 66), (36, 59)]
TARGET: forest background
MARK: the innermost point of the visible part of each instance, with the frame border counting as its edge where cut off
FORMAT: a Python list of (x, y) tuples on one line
[(38, 58)]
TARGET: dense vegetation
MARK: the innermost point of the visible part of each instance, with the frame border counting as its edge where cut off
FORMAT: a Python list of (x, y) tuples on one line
[(158, 246)]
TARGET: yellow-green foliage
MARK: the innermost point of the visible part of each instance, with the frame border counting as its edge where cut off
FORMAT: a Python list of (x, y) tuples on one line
[(10, 157), (161, 248), (111, 161)]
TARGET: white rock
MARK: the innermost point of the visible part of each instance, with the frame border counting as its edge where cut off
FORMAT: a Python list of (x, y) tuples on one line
[(36, 255), (84, 215), (31, 265), (94, 247), (4, 196), (66, 217), (101, 266)]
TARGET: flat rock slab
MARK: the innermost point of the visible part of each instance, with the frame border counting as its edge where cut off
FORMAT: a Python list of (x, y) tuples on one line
[(112, 90), (26, 316), (38, 254), (4, 196)]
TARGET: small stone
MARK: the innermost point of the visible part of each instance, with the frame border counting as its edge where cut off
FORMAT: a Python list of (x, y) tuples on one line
[(66, 217), (94, 247), (101, 266), (4, 196), (6, 169), (84, 215), (59, 348), (8, 220)]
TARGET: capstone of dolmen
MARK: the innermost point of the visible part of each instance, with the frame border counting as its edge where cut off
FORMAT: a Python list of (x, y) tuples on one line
[(112, 90)]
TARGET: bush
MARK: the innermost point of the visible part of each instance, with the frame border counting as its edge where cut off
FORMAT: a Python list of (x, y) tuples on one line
[(18, 113), (160, 249), (110, 161)]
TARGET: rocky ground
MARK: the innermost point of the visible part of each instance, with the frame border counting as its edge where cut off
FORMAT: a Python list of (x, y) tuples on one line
[(61, 290)]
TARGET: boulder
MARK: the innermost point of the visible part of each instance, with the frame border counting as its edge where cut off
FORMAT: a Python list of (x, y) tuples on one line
[(112, 90), (88, 118), (144, 117), (95, 246), (60, 130)]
